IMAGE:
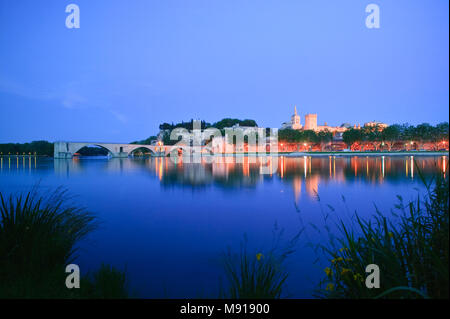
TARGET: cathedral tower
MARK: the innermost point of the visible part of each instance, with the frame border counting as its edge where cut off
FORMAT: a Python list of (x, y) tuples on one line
[(295, 120)]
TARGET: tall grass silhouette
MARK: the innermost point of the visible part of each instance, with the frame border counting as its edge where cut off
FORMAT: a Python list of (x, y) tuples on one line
[(258, 275), (38, 237), (411, 250)]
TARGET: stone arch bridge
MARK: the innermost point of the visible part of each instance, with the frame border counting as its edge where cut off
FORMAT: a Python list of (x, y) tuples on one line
[(68, 149)]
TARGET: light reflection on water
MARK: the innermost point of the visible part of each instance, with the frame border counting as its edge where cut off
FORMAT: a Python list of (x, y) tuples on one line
[(169, 222), (225, 171)]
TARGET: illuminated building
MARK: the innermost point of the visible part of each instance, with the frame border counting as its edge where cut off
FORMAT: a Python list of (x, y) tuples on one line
[(311, 124), (294, 124), (375, 124)]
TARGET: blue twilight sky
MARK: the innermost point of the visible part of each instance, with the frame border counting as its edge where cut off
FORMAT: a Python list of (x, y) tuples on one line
[(135, 64)]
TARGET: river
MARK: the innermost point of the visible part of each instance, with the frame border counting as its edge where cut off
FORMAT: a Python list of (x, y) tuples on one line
[(168, 223)]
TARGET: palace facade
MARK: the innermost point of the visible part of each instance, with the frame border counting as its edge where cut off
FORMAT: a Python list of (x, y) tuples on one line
[(311, 124)]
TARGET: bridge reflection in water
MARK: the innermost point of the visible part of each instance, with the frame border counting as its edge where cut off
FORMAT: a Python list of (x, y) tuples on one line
[(306, 172)]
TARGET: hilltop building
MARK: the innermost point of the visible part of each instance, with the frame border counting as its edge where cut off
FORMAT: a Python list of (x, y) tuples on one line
[(294, 123), (375, 123), (295, 120), (311, 124)]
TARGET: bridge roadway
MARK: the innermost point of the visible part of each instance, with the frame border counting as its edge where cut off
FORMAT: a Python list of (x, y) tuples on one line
[(68, 149)]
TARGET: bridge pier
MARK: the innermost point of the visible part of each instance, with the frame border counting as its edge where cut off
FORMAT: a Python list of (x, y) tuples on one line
[(63, 155), (61, 150), (119, 154)]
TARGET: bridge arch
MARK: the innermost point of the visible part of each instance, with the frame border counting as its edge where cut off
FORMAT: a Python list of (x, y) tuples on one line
[(178, 149), (148, 148), (76, 148)]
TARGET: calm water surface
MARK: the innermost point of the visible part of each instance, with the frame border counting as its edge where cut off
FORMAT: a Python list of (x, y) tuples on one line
[(169, 223)]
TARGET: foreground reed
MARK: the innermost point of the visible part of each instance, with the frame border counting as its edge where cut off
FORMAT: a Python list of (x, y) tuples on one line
[(38, 237), (258, 275), (411, 250)]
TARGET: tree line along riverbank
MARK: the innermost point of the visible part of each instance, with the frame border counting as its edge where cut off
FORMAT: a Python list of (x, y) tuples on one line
[(395, 137), (46, 149), (43, 148)]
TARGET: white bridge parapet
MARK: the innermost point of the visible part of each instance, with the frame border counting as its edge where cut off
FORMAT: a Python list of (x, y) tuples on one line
[(68, 149)]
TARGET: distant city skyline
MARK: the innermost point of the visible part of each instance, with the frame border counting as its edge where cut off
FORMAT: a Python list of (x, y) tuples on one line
[(134, 65)]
